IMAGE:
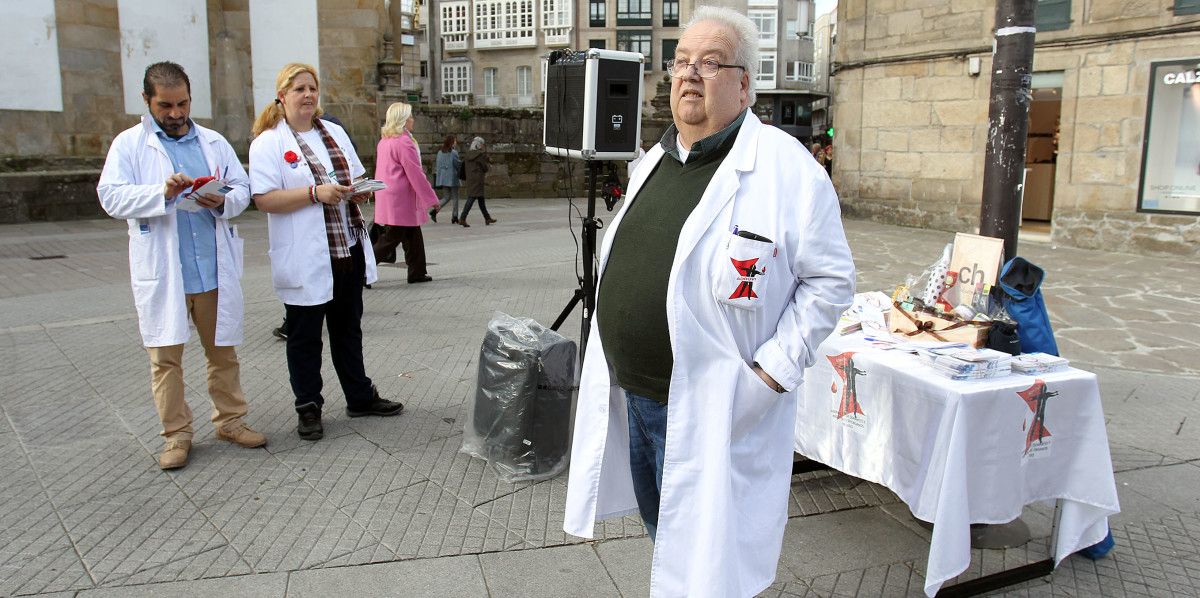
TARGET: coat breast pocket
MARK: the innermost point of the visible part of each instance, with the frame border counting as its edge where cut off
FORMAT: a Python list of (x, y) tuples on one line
[(743, 269)]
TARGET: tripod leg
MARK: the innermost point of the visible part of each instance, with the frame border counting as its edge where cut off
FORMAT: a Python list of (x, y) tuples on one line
[(562, 317)]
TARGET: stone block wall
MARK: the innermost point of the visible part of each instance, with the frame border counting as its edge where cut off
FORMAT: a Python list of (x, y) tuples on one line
[(912, 124)]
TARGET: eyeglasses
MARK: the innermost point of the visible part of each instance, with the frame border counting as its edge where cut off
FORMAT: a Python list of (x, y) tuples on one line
[(707, 69)]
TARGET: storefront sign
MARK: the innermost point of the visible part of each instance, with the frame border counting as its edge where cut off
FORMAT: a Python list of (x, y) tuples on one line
[(1171, 148)]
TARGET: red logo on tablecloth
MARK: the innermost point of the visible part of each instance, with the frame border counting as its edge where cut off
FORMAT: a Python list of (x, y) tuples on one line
[(747, 270), (1035, 397), (843, 364)]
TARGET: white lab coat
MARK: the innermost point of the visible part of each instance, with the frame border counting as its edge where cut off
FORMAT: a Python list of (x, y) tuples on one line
[(729, 436), (131, 187), (299, 247)]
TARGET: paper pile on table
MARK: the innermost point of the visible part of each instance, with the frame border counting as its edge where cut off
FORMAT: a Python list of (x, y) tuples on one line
[(969, 364), (1038, 363)]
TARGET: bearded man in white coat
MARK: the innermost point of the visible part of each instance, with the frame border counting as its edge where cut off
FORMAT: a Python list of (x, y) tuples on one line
[(721, 274), (185, 258)]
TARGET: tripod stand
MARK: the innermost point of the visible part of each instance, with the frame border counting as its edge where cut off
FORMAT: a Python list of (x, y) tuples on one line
[(587, 283)]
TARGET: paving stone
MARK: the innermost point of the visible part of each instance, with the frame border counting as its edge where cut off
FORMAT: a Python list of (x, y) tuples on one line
[(426, 520), (447, 577), (97, 469), (550, 573), (287, 527), (349, 469), (847, 541), (885, 580), (266, 586), (121, 535), (828, 491), (627, 562)]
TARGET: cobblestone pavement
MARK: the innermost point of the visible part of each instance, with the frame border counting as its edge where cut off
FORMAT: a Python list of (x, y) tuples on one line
[(385, 504)]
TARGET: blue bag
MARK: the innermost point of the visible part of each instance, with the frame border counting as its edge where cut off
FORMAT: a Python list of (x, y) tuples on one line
[(1021, 282)]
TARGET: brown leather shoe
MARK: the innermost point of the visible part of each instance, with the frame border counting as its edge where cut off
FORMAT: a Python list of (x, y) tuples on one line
[(175, 454), (489, 220), (242, 435), (463, 222)]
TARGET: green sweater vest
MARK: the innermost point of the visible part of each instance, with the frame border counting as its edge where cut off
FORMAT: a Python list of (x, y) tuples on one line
[(631, 306)]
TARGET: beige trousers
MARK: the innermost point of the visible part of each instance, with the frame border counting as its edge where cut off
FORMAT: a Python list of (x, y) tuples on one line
[(224, 377)]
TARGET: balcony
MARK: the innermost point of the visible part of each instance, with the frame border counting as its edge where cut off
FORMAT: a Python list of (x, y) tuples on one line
[(456, 42)]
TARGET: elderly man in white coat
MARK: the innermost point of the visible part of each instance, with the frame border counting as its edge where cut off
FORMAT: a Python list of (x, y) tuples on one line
[(724, 270), (185, 258)]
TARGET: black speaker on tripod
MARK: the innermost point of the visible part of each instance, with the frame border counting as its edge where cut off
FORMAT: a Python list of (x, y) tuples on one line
[(593, 104)]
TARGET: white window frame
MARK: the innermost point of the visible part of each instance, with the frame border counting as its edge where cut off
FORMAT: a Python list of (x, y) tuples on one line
[(790, 27), (524, 81), (455, 25), (767, 22), (556, 22), (505, 24), (490, 75), (456, 81), (799, 70), (766, 70)]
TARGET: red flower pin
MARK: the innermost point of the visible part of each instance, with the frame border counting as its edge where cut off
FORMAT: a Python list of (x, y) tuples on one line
[(291, 158)]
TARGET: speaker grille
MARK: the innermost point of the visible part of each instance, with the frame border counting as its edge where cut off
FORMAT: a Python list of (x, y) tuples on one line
[(564, 105)]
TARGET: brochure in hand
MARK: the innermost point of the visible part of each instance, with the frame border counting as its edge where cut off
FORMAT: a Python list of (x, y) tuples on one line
[(368, 186), (202, 186)]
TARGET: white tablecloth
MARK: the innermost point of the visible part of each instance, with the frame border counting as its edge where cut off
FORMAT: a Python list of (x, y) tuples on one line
[(961, 452)]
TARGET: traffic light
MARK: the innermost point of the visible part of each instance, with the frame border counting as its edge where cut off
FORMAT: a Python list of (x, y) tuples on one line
[(829, 132)]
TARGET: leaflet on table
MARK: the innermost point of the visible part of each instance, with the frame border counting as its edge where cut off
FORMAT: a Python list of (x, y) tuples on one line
[(187, 202), (1038, 363), (868, 313), (368, 186)]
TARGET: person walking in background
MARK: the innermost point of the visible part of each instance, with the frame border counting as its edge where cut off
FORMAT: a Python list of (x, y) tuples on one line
[(301, 171), (477, 164), (445, 176), (183, 262), (401, 207)]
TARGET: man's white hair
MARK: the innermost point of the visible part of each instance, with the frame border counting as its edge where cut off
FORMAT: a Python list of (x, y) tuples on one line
[(745, 52)]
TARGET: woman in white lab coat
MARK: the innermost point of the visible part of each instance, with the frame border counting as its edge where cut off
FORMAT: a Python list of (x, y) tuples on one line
[(729, 442), (301, 172)]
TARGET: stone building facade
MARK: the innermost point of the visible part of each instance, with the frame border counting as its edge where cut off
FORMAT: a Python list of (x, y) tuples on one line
[(911, 119)]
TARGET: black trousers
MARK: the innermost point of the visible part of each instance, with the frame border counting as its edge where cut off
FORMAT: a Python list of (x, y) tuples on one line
[(343, 317), (482, 208), (410, 238)]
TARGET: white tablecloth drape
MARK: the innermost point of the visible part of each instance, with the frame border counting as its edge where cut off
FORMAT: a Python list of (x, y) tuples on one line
[(961, 452)]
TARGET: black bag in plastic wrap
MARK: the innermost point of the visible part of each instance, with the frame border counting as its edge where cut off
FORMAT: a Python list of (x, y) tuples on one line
[(521, 419)]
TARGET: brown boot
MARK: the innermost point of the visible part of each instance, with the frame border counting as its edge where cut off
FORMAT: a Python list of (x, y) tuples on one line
[(463, 221), (489, 220), (242, 435), (175, 453)]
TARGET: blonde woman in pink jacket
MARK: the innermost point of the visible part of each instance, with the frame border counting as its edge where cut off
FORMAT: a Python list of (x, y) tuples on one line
[(404, 206)]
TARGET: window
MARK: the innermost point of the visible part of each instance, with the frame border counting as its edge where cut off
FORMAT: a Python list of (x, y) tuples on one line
[(800, 71), (407, 6), (455, 26), (789, 28), (766, 71), (1187, 7), (556, 22), (765, 20), (524, 81), (670, 13), (456, 81), (597, 43), (424, 68), (1052, 15), (633, 12), (504, 24), (489, 81), (597, 13), (634, 41), (668, 51)]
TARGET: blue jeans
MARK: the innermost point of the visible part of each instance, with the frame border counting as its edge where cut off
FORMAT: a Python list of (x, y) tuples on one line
[(647, 446)]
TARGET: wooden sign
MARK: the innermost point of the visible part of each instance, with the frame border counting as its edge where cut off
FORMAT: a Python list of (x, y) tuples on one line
[(975, 259)]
